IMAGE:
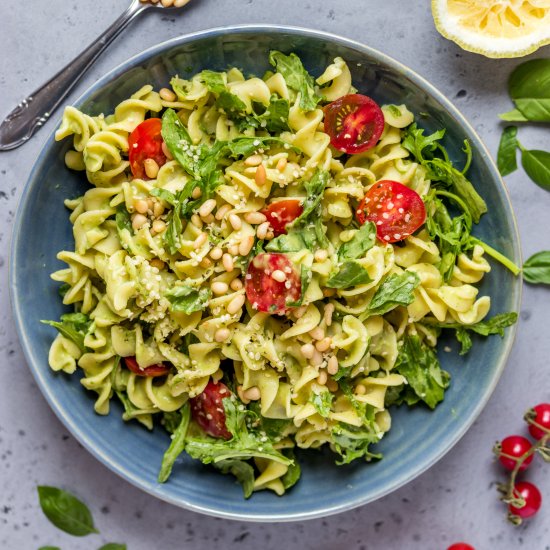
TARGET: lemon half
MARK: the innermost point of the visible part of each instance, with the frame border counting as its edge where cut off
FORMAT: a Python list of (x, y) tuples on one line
[(494, 28)]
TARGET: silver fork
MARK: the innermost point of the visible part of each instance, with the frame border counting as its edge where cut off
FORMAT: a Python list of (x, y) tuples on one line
[(34, 110)]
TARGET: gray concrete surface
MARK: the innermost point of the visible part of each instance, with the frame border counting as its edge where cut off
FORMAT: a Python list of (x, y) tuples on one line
[(454, 500)]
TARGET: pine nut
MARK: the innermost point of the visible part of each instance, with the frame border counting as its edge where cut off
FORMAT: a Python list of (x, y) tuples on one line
[(233, 249), (279, 276), (262, 230), (269, 235), (281, 164), (332, 385), (200, 240), (158, 226), (322, 378), (151, 168), (222, 334), (166, 4), (158, 263), (321, 255), (324, 344), (166, 151), (138, 220), (220, 214), (141, 206), (254, 218), (227, 261), (216, 253), (252, 393), (236, 304), (317, 358), (180, 3), (246, 245), (197, 193), (219, 288), (158, 209), (206, 206), (253, 160), (208, 219), (165, 93), (235, 221), (299, 311), (260, 175), (307, 351), (329, 311), (236, 284), (328, 292), (317, 333), (196, 221), (240, 393), (360, 389), (332, 367), (205, 263)]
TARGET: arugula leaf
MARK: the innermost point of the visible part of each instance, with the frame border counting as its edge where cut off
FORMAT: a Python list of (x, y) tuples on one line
[(418, 144), (230, 103), (187, 299), (296, 78), (213, 81), (274, 428), (360, 243), (50, 548), (243, 471), (174, 226), (294, 471), (464, 339), (293, 241), (245, 146), (275, 118), (305, 278), (73, 326), (315, 188), (506, 156), (537, 166), (65, 511), (418, 363), (178, 141), (536, 269), (322, 402), (396, 290), (350, 274), (529, 88), (351, 442), (177, 445), (113, 546)]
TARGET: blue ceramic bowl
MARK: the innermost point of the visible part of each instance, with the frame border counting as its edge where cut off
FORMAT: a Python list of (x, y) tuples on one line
[(418, 437)]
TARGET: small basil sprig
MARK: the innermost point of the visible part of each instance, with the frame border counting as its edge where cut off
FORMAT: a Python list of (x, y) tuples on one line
[(536, 269), (349, 274), (506, 156), (65, 511), (113, 546)]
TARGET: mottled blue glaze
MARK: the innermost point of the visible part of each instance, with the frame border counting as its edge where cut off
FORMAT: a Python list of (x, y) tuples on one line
[(418, 437)]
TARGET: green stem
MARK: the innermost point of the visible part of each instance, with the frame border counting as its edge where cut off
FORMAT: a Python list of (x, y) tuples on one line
[(506, 262)]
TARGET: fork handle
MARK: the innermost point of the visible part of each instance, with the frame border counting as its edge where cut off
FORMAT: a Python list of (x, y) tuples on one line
[(34, 110)]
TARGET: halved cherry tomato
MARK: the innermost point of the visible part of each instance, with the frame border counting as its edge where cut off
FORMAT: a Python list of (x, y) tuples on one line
[(160, 369), (532, 497), (281, 213), (354, 123), (271, 282), (145, 142), (208, 411), (397, 210)]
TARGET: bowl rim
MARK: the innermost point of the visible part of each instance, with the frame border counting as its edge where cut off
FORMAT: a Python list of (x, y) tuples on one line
[(151, 488)]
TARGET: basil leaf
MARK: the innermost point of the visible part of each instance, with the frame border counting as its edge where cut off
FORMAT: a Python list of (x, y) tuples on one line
[(513, 116), (65, 511), (291, 242), (418, 363), (243, 471), (187, 299), (537, 165), (178, 141), (529, 88), (396, 290), (245, 146), (350, 274), (230, 103), (322, 402), (536, 269), (361, 242), (296, 78), (73, 326), (113, 546), (506, 156), (177, 445)]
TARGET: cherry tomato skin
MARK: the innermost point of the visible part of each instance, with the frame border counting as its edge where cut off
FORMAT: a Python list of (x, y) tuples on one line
[(533, 500), (354, 123), (280, 213), (208, 412), (542, 417), (145, 142), (461, 546), (396, 210), (160, 369), (263, 288), (515, 446)]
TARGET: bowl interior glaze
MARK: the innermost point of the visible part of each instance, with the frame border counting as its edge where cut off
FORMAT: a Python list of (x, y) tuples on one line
[(418, 438)]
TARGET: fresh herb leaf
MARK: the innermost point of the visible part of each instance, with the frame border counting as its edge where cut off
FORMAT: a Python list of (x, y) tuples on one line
[(322, 402), (350, 274), (296, 78), (230, 103), (275, 118), (352, 442), (246, 146), (65, 511), (113, 546), (213, 81), (506, 156), (63, 289), (315, 188), (537, 166), (174, 226), (513, 116), (123, 219), (529, 88), (177, 444), (360, 243), (294, 471), (187, 299), (396, 290), (305, 278), (243, 471), (418, 363), (293, 241), (536, 269), (464, 339), (73, 326), (49, 548), (420, 145), (178, 141)]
